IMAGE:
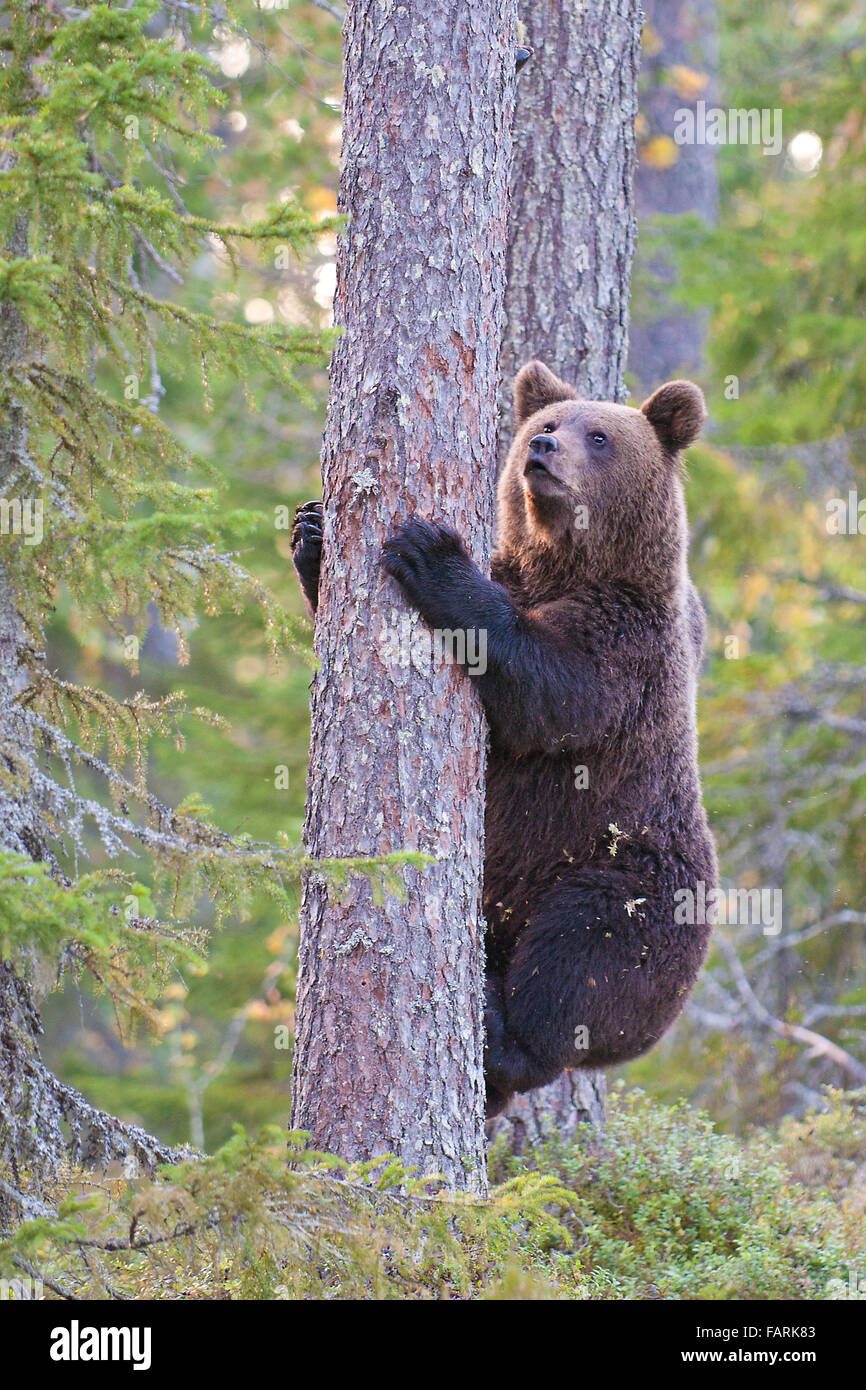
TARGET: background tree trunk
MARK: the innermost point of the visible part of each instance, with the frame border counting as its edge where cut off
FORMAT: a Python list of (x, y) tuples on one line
[(570, 249), (20, 1140), (388, 1053), (681, 67), (572, 232)]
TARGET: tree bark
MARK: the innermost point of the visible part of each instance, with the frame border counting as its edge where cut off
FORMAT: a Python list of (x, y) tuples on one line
[(388, 1052), (570, 249), (572, 212), (667, 340)]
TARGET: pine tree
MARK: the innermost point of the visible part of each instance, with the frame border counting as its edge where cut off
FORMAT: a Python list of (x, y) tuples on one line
[(102, 105), (679, 67)]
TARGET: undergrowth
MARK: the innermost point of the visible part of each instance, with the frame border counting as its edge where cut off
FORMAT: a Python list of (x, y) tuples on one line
[(659, 1206)]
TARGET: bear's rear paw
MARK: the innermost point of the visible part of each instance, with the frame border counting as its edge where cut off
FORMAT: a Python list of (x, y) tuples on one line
[(507, 1067), (497, 1100), (494, 1033)]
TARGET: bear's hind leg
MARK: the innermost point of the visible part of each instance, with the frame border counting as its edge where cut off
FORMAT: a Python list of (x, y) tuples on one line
[(505, 1065), (507, 1068), (576, 992)]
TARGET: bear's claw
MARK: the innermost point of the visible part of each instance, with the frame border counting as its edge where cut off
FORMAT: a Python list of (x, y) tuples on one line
[(306, 542), (414, 554)]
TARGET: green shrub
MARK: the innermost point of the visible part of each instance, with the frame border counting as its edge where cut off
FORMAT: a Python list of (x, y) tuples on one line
[(659, 1206)]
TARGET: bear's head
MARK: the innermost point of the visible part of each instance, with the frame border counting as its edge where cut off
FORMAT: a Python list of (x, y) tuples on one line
[(592, 490)]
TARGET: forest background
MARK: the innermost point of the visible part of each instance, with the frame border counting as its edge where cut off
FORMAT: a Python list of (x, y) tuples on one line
[(773, 270)]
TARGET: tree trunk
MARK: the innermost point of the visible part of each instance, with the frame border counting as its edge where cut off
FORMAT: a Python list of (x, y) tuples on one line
[(572, 211), (681, 66), (19, 818), (570, 249), (388, 1053)]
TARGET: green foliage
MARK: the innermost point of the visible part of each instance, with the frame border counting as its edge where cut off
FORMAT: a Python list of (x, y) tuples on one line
[(248, 1224), (107, 115), (660, 1206), (668, 1208), (79, 139), (823, 1152), (104, 924)]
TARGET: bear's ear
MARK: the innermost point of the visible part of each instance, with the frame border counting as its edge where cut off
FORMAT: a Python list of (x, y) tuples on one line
[(677, 413), (535, 386)]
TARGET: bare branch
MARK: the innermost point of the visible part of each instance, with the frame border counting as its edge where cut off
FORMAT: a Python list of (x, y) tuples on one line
[(36, 1274), (337, 14), (846, 917), (793, 1032)]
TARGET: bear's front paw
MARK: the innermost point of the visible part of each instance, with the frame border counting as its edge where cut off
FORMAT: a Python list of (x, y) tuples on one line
[(418, 555), (307, 548), (307, 532)]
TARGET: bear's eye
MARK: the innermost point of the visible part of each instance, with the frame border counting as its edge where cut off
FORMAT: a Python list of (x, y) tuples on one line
[(548, 429), (598, 437)]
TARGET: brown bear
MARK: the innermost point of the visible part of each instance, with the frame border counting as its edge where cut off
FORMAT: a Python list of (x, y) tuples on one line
[(595, 830)]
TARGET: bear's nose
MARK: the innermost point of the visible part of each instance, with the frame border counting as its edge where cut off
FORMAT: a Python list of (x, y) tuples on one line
[(543, 444)]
